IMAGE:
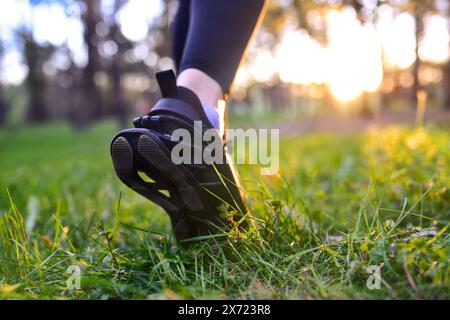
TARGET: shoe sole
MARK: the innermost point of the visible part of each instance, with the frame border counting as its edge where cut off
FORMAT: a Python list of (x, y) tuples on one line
[(150, 151), (140, 150)]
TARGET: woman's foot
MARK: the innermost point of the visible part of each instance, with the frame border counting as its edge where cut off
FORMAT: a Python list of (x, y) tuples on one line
[(201, 198)]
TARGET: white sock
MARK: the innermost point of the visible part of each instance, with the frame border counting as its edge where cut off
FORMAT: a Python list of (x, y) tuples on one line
[(216, 116)]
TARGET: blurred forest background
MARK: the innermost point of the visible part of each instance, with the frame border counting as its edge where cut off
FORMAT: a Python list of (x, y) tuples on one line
[(87, 60), (72, 71)]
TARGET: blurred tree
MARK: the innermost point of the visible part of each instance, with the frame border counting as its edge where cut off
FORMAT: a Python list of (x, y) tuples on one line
[(275, 18), (4, 108), (446, 80), (116, 68), (35, 55), (312, 16), (418, 9), (160, 31), (309, 15), (91, 108), (446, 85)]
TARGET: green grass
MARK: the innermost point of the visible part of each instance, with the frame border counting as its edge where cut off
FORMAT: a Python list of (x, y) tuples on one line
[(340, 204)]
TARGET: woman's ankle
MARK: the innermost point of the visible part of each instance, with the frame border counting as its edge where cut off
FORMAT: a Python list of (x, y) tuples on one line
[(206, 88)]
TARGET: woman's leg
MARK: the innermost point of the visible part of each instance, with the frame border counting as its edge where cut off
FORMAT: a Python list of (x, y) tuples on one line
[(180, 30), (210, 39), (203, 85), (217, 39)]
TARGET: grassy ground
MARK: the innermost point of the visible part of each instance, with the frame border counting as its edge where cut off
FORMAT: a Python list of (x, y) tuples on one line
[(341, 204)]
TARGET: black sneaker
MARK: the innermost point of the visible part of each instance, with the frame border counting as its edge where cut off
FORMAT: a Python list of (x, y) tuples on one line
[(201, 199)]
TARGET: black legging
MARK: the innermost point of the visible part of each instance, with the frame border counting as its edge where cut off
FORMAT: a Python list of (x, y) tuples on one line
[(212, 36)]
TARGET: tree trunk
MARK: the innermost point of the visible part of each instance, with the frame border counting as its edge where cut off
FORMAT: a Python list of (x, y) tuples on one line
[(91, 109), (446, 80), (446, 84), (417, 62), (35, 81), (118, 101), (4, 108)]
